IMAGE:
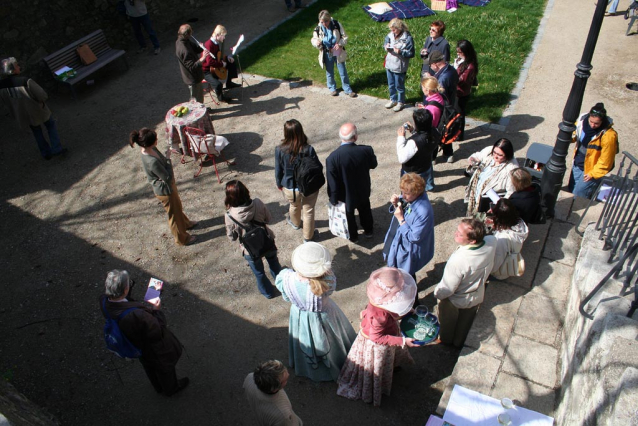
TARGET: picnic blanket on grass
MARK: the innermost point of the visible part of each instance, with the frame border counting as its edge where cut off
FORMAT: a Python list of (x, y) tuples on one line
[(474, 2), (403, 10)]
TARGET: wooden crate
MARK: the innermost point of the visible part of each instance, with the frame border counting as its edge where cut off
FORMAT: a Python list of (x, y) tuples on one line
[(438, 5)]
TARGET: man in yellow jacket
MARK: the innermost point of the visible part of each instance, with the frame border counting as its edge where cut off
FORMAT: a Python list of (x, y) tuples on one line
[(596, 148)]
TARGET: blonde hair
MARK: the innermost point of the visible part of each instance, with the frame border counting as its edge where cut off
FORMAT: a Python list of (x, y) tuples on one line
[(521, 178), (319, 285), (398, 24), (324, 15), (431, 84), (412, 184), (220, 30)]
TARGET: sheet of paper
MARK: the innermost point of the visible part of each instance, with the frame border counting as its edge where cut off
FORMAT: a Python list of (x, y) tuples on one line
[(493, 196), (434, 421), (239, 42), (62, 70), (470, 408)]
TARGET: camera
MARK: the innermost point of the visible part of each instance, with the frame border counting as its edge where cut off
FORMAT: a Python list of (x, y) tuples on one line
[(406, 126)]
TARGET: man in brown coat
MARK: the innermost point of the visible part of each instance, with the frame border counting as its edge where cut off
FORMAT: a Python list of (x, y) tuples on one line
[(25, 100), (190, 64), (145, 327)]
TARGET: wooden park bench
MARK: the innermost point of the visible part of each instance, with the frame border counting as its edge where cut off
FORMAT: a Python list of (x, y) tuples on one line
[(67, 56)]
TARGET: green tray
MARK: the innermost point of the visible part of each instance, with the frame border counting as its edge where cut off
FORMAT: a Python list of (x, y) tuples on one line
[(408, 325)]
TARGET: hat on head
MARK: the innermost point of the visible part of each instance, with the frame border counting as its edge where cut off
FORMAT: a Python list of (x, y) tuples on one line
[(435, 57), (311, 260), (392, 289)]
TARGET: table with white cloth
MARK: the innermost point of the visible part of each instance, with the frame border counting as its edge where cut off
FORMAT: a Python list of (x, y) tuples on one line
[(196, 117), (467, 407)]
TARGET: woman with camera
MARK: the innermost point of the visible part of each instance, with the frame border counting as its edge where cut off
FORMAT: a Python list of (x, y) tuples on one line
[(415, 153), (409, 243), (435, 41)]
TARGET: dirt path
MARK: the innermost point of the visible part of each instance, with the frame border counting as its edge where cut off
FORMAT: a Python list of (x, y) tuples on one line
[(68, 221)]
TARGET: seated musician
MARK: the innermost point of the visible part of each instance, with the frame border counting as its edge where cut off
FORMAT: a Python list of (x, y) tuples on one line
[(216, 64)]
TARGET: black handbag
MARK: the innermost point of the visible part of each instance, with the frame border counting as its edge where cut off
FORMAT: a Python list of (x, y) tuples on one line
[(256, 239)]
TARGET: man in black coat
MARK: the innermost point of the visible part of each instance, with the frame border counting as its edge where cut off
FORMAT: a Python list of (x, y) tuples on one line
[(348, 174), (190, 64), (145, 327)]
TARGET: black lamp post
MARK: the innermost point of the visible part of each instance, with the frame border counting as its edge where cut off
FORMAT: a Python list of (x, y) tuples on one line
[(554, 170)]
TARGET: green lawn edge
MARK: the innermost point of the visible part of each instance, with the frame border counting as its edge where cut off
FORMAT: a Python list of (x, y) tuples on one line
[(502, 33)]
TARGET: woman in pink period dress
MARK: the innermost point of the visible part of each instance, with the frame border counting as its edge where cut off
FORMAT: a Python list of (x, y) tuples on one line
[(379, 347)]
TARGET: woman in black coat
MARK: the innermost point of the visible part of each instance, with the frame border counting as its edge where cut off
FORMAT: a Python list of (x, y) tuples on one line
[(527, 198)]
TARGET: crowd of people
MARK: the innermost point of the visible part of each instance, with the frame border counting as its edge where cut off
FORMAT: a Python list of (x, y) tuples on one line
[(502, 201)]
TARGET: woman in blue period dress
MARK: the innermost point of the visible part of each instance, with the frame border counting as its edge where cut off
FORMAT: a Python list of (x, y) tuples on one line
[(409, 243), (319, 334)]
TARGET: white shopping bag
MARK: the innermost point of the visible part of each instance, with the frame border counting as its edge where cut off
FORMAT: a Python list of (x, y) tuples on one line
[(337, 220)]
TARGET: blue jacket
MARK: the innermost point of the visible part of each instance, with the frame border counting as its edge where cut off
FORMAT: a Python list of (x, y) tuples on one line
[(448, 79), (413, 244), (284, 169)]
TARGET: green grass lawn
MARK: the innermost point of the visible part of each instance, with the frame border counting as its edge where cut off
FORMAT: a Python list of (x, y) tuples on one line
[(502, 33)]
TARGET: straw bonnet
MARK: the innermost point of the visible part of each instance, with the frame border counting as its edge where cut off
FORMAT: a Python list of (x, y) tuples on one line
[(311, 260), (392, 289)]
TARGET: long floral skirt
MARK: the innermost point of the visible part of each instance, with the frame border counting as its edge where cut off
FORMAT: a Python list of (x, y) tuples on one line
[(367, 373)]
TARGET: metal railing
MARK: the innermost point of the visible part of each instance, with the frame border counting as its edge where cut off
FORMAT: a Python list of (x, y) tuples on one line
[(618, 226)]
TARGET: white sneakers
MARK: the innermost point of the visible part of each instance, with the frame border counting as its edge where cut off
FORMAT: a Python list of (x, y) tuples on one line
[(396, 106)]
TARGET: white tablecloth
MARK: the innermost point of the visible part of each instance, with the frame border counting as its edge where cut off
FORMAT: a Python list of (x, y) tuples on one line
[(469, 408)]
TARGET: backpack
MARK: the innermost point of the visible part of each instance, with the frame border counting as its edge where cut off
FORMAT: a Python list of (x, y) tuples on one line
[(116, 341), (307, 175), (256, 239), (449, 128), (337, 27)]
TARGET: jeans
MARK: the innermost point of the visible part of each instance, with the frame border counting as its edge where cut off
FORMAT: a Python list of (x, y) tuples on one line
[(396, 85), (428, 177), (329, 62), (263, 283), (52, 130), (144, 21), (614, 6), (578, 186)]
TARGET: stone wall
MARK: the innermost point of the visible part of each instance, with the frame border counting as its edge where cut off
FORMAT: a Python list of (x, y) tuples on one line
[(599, 371), (32, 29)]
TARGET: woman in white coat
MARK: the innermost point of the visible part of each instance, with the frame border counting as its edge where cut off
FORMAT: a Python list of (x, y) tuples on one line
[(330, 38), (510, 232), (493, 167)]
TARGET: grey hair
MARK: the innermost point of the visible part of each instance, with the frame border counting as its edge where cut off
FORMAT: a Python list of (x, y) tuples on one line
[(267, 376), (350, 136), (116, 283), (9, 65)]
